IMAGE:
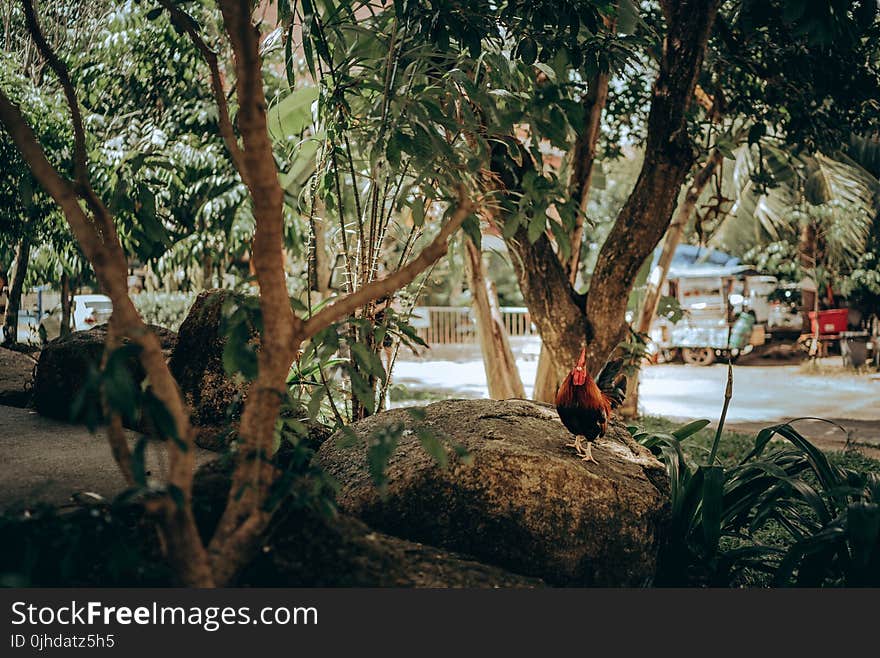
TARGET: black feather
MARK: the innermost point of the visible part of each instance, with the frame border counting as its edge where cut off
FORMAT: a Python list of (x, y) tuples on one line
[(612, 383)]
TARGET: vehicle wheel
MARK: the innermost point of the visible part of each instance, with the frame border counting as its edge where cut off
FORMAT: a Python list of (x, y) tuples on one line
[(698, 356)]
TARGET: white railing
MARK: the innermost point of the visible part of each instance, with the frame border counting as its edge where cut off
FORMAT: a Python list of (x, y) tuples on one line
[(455, 325)]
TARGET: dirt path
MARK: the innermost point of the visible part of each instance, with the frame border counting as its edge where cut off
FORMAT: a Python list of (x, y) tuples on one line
[(46, 461)]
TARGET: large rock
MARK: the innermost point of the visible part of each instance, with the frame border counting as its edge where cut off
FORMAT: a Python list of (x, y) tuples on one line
[(526, 502), (308, 549), (16, 377), (197, 365), (215, 398), (65, 363)]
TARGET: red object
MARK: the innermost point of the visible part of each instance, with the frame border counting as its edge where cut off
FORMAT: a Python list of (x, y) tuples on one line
[(832, 321)]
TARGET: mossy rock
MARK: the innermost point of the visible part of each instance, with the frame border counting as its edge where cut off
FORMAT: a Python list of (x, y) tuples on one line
[(525, 502)]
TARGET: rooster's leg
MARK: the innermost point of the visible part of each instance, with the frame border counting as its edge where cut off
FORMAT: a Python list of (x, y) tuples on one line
[(584, 453), (587, 455)]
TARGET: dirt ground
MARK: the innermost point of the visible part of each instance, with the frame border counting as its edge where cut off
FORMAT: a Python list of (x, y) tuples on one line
[(46, 461)]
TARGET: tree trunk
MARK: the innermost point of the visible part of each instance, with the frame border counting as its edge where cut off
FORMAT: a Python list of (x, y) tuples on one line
[(66, 303), (547, 378), (567, 322), (651, 299), (808, 257), (555, 308), (207, 269), (319, 270), (502, 375), (668, 157), (13, 306)]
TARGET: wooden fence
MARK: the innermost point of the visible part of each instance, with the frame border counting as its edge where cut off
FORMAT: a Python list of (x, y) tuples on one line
[(456, 325)]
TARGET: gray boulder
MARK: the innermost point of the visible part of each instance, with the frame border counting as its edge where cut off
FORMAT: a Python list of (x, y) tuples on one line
[(64, 366), (525, 503), (305, 548), (197, 365)]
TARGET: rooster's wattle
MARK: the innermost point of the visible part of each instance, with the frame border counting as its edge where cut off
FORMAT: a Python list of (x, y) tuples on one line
[(585, 404)]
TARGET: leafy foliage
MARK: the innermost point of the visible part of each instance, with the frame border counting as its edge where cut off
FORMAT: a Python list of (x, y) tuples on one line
[(822, 519)]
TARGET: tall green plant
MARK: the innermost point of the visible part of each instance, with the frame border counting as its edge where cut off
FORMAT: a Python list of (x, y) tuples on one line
[(826, 520)]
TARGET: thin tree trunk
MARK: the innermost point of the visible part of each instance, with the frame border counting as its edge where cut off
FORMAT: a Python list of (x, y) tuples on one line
[(319, 272), (22, 257), (808, 256), (66, 302), (207, 270), (651, 299), (546, 378), (502, 375), (584, 160)]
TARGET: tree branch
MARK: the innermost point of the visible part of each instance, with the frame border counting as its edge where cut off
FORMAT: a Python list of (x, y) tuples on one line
[(60, 69), (346, 305), (227, 132), (105, 254)]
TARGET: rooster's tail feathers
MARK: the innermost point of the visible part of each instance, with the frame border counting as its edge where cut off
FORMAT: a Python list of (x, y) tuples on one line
[(612, 383)]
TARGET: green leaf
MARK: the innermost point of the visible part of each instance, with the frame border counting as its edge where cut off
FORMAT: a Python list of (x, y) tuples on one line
[(347, 438), (159, 416), (368, 360), (756, 132), (292, 115), (527, 50), (433, 446), (177, 496), (120, 388), (418, 211), (536, 227), (471, 227), (712, 504), (690, 429), (417, 413), (138, 461), (362, 390), (627, 16)]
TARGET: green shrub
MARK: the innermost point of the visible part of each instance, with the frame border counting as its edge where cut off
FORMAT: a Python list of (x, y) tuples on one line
[(783, 514), (166, 309)]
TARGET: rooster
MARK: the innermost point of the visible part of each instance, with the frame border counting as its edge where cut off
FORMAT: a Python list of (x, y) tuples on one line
[(585, 405)]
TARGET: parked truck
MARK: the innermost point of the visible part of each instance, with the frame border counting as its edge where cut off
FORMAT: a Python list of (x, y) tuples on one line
[(726, 311)]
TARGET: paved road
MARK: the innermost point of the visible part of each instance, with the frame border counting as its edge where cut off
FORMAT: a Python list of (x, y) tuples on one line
[(46, 461), (760, 393)]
